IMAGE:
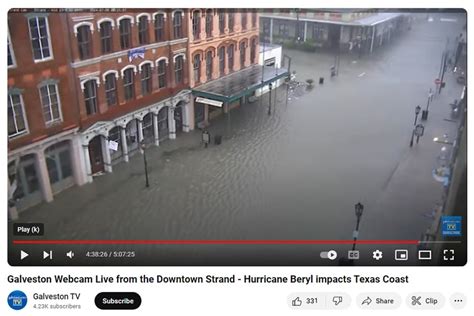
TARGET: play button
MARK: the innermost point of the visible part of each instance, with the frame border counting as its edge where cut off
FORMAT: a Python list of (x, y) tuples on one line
[(23, 255)]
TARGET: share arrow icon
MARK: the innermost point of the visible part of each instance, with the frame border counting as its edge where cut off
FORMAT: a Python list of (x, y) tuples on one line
[(23, 255)]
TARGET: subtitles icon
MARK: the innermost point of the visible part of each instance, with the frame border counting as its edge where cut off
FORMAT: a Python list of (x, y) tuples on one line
[(337, 300), (296, 302), (353, 254)]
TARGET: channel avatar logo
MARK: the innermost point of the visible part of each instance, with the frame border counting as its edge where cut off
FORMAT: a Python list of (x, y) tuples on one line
[(17, 300)]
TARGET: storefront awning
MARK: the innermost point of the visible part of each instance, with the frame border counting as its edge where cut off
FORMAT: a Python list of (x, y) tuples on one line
[(238, 84)]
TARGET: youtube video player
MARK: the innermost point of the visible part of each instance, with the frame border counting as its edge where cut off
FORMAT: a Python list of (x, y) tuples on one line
[(237, 137)]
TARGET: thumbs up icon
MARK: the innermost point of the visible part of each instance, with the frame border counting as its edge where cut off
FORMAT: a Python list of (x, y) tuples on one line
[(296, 302)]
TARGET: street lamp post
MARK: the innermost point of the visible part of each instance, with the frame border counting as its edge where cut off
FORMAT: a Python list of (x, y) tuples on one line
[(359, 209), (417, 111), (143, 147), (270, 99), (419, 131)]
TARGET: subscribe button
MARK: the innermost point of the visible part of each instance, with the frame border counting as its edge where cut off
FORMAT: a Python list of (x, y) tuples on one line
[(118, 300)]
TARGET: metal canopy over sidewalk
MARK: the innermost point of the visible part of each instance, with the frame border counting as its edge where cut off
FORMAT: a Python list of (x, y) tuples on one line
[(236, 85)]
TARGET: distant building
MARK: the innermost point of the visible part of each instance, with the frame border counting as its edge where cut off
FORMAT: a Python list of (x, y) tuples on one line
[(345, 29)]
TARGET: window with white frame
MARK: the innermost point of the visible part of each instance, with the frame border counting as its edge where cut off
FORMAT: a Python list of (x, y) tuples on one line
[(162, 74), (178, 69), (159, 27), (143, 37), (16, 115), (111, 89), (106, 37), (11, 55), (84, 40), (90, 96), (39, 36), (125, 29), (50, 102), (146, 79), (177, 24), (128, 84)]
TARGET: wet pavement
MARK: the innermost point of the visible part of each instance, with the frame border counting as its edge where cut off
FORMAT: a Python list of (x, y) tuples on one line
[(294, 174)]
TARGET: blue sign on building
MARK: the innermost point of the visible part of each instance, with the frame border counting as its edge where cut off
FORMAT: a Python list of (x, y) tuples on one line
[(136, 53)]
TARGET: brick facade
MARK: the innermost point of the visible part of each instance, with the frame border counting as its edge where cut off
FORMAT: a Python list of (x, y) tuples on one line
[(26, 74), (202, 43)]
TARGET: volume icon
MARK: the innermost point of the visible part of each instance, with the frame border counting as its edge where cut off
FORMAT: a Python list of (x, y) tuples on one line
[(70, 254)]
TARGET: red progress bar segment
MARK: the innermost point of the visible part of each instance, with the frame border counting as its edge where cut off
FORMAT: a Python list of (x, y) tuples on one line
[(214, 242)]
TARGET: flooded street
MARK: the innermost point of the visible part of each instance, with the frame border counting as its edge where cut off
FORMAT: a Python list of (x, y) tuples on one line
[(294, 174)]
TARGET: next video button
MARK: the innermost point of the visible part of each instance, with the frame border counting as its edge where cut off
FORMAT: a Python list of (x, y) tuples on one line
[(118, 300), (28, 229)]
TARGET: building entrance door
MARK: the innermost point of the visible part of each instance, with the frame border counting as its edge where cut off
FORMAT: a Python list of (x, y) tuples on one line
[(95, 155)]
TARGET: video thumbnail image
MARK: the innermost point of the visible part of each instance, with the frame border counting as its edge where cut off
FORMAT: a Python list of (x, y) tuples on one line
[(237, 136)]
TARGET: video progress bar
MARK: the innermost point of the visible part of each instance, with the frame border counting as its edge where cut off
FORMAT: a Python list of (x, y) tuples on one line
[(215, 242)]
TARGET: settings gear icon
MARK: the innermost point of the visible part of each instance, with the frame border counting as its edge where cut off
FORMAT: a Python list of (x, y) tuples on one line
[(377, 255)]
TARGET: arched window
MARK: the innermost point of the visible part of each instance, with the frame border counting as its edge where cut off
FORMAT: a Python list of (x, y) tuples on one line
[(253, 50), (84, 40), (106, 37), (128, 84), (162, 74), (209, 22), (159, 27), (221, 61), (197, 68), (242, 49), (230, 56), (178, 69), (231, 20), (143, 37), (111, 89), (196, 24), (90, 96), (221, 21), (254, 18), (146, 79), (125, 28), (177, 25), (243, 19), (209, 60)]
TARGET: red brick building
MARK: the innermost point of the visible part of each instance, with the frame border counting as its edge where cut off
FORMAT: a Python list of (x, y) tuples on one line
[(130, 67), (42, 109), (85, 89)]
